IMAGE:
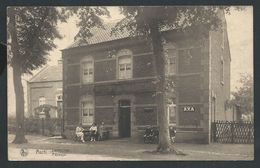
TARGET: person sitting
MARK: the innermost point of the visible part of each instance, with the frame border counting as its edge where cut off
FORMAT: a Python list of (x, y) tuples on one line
[(79, 132), (93, 130)]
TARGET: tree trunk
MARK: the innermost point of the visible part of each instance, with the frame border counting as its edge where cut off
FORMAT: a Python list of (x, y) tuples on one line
[(164, 135), (17, 74), (19, 101)]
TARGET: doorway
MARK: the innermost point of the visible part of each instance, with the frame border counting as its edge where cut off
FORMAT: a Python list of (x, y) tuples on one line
[(124, 122)]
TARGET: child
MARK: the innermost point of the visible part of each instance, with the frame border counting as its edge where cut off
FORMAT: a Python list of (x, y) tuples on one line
[(101, 131), (93, 130)]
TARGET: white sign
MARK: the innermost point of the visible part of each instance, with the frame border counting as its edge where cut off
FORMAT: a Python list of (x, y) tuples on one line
[(188, 108), (42, 115)]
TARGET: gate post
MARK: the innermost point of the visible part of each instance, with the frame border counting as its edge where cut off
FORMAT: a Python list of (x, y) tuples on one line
[(249, 132), (232, 132), (213, 137)]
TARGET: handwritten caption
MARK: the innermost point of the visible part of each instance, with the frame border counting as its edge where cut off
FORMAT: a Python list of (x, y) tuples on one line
[(53, 152)]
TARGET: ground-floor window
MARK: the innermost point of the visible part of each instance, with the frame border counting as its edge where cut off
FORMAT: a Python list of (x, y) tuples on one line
[(172, 113), (87, 110), (42, 100)]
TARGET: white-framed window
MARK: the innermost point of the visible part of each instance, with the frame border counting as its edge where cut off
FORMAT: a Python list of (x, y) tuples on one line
[(171, 108), (125, 64), (59, 97), (59, 105), (171, 61), (188, 57), (42, 100), (87, 110), (87, 70)]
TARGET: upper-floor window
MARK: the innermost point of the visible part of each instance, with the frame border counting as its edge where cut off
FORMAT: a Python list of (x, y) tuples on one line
[(87, 70), (187, 58), (87, 110), (125, 64), (171, 62), (170, 53), (42, 100)]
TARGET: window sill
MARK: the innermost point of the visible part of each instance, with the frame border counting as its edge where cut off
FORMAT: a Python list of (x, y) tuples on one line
[(88, 83)]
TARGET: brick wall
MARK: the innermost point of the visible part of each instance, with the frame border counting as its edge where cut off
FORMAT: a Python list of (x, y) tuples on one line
[(73, 74), (146, 116), (189, 89), (104, 100), (105, 70), (143, 66), (49, 90), (220, 89), (105, 115)]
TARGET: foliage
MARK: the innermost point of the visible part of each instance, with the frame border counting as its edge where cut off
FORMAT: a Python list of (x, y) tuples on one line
[(138, 19), (243, 97), (89, 17), (35, 29), (31, 34), (46, 108)]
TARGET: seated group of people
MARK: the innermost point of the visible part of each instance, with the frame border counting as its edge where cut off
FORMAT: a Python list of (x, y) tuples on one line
[(93, 131)]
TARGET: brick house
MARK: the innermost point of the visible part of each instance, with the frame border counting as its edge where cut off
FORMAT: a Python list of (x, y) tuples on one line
[(111, 79), (46, 88)]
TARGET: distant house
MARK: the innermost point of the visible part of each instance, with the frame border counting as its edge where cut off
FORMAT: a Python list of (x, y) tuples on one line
[(46, 88), (111, 79)]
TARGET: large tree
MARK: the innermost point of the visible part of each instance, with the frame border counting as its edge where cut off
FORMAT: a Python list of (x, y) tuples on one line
[(243, 97), (31, 34), (148, 22)]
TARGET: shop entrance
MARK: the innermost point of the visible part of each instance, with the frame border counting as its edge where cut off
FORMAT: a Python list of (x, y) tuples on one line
[(124, 122)]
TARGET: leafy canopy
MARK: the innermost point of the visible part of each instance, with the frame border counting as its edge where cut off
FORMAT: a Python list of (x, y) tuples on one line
[(89, 17), (36, 29), (138, 20), (244, 96)]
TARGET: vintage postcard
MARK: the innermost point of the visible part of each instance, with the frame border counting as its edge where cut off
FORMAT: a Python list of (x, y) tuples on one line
[(130, 83)]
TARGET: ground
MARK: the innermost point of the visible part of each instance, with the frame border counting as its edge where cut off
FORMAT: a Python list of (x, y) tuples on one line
[(55, 148)]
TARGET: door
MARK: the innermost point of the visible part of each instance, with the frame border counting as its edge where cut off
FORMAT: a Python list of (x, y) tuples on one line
[(124, 122)]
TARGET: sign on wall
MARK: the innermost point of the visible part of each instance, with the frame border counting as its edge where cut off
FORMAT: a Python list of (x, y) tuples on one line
[(189, 109)]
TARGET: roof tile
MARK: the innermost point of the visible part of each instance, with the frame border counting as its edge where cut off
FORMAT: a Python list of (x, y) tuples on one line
[(101, 35), (49, 73)]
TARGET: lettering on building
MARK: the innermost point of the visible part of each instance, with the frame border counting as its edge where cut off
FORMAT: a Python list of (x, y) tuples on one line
[(188, 109)]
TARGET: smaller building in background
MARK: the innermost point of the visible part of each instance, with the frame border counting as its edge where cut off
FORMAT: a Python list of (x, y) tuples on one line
[(46, 88)]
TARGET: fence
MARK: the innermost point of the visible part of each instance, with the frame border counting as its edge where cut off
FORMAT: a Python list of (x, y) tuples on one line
[(233, 132), (47, 127)]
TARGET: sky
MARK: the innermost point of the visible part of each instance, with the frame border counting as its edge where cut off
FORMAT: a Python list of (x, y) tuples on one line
[(240, 35)]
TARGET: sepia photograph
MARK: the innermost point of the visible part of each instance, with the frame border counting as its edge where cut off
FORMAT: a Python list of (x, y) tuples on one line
[(130, 83)]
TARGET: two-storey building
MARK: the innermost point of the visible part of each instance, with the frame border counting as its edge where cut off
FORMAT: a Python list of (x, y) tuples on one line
[(111, 79)]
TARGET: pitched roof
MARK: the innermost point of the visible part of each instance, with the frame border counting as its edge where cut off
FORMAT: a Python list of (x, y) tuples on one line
[(49, 73), (101, 35)]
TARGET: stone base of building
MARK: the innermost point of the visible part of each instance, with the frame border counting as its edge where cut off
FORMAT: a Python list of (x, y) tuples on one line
[(137, 136), (192, 137), (198, 137)]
